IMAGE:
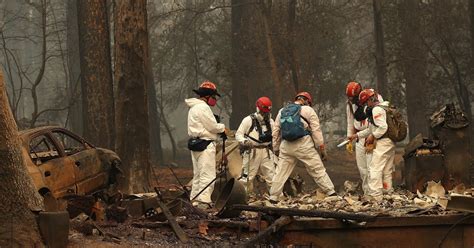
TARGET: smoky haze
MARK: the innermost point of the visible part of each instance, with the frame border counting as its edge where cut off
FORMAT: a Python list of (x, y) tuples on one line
[(418, 53)]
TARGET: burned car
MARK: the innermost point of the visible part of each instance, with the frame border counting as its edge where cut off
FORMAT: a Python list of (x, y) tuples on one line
[(62, 163)]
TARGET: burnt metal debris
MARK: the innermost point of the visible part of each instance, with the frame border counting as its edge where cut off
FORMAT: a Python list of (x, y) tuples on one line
[(443, 157), (461, 203), (233, 193), (64, 165)]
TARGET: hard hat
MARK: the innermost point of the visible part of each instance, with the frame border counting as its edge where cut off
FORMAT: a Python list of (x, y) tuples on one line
[(207, 88), (306, 95), (353, 88), (365, 95), (264, 104)]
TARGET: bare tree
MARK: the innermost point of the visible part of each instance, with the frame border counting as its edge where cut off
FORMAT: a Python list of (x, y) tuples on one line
[(131, 76), (18, 194), (42, 8), (96, 73), (28, 74)]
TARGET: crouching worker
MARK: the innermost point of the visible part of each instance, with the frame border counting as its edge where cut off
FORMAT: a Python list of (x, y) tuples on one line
[(203, 130), (381, 166), (356, 122), (296, 134), (255, 137)]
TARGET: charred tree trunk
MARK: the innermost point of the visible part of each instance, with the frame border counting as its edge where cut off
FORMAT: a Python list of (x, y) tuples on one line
[(471, 17), (471, 72), (240, 99), (96, 73), (131, 75), (18, 195), (414, 67), (156, 151), (75, 121), (277, 82), (294, 67), (379, 49)]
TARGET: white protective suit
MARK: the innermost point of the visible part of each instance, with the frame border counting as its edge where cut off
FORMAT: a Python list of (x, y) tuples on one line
[(381, 166), (202, 124), (260, 157), (362, 158), (302, 149)]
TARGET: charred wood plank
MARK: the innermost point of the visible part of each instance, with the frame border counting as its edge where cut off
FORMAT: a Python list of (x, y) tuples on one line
[(273, 228), (228, 224), (306, 213), (106, 234), (182, 236), (150, 225)]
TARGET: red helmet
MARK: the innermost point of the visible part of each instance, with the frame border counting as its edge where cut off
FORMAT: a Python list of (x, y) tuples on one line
[(208, 85), (353, 89), (306, 95), (365, 95), (264, 104), (207, 88)]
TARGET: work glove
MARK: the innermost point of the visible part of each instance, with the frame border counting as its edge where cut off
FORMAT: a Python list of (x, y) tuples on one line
[(350, 148), (322, 152), (353, 137), (369, 140), (369, 148), (224, 134)]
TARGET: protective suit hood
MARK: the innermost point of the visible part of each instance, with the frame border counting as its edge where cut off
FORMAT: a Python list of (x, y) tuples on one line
[(191, 102)]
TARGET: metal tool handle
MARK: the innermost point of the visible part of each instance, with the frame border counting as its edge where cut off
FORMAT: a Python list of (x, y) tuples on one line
[(345, 142)]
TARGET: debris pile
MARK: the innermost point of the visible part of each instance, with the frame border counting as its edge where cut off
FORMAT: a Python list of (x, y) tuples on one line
[(398, 203), (443, 157)]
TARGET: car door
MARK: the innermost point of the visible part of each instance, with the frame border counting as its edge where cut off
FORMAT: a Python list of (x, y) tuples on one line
[(88, 170), (58, 173)]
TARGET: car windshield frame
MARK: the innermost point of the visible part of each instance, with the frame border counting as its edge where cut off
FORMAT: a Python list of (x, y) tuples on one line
[(64, 132), (51, 140), (48, 132)]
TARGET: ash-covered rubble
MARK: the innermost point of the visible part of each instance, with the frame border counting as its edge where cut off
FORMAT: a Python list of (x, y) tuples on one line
[(400, 202)]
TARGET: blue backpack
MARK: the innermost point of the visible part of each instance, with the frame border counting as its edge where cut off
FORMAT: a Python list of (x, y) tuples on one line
[(291, 126)]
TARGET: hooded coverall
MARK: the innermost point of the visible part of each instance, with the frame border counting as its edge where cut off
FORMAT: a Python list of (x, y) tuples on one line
[(362, 158), (259, 157), (302, 149), (202, 124), (381, 166)]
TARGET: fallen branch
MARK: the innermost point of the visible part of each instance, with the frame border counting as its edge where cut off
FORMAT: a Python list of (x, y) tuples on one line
[(307, 213), (273, 228)]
